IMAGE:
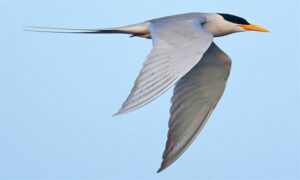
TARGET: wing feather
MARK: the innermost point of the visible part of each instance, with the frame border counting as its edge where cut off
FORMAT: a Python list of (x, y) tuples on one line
[(195, 97), (177, 48)]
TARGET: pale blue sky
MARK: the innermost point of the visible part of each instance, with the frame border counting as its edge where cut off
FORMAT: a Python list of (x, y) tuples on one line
[(58, 93)]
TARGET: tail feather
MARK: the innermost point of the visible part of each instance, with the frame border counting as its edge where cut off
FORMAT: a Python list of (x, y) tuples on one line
[(70, 30), (131, 29)]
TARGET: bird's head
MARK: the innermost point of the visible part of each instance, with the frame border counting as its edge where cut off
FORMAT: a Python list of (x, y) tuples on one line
[(241, 24)]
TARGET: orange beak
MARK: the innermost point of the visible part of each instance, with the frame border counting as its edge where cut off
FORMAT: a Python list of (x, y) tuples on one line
[(253, 27)]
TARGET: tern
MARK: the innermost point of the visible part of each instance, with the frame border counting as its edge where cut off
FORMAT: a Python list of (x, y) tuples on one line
[(183, 55)]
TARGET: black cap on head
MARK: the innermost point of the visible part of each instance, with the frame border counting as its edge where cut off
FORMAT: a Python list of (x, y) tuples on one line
[(234, 19)]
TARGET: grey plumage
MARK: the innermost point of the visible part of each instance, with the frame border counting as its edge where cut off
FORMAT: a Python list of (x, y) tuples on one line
[(183, 54)]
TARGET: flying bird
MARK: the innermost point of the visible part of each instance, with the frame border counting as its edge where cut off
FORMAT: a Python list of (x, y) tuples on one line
[(183, 55)]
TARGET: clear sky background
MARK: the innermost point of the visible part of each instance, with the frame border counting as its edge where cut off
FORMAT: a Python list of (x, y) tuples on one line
[(58, 93)]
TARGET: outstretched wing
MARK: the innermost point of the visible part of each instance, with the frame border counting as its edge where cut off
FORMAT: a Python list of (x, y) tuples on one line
[(195, 97), (177, 48)]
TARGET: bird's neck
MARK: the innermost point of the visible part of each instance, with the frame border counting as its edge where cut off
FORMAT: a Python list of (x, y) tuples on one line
[(218, 27)]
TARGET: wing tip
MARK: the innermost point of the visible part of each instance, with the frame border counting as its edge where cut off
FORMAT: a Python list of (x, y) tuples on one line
[(118, 113), (121, 112), (125, 109), (160, 169), (163, 166)]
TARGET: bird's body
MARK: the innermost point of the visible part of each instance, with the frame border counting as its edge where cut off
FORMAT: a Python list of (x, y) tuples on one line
[(183, 54)]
